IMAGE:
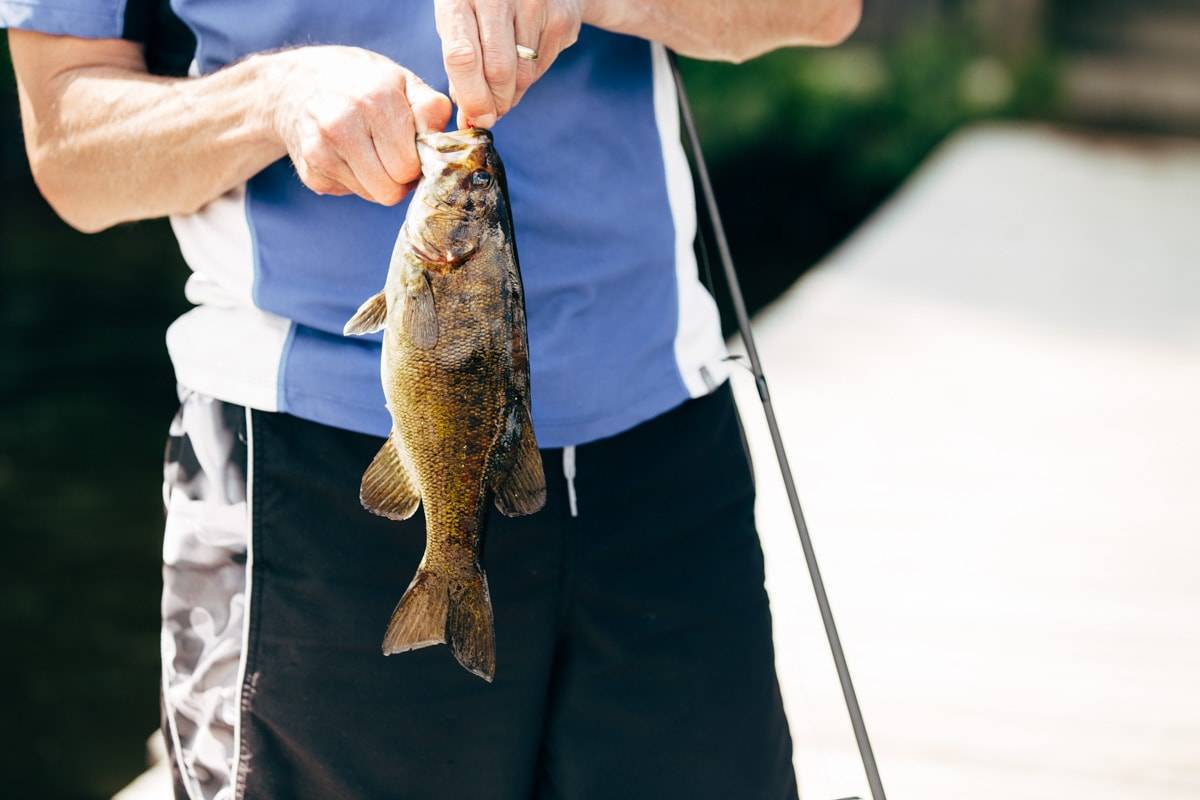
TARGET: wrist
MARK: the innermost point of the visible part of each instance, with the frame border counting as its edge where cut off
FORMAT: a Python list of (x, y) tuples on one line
[(605, 14), (266, 75)]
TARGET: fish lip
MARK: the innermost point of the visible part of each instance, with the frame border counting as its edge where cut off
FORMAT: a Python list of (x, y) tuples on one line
[(455, 141)]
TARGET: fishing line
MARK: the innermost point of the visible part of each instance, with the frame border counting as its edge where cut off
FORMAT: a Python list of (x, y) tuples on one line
[(760, 380), (737, 359)]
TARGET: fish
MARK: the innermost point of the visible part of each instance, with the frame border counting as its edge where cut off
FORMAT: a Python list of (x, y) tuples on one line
[(455, 374)]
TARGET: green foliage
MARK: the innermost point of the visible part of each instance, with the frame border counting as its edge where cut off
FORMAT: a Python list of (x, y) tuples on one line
[(875, 110), (804, 143)]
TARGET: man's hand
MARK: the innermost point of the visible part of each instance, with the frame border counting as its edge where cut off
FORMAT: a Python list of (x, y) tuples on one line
[(349, 119), (101, 132), (479, 49)]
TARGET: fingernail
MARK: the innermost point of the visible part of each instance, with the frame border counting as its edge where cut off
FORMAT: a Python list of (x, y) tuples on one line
[(486, 121)]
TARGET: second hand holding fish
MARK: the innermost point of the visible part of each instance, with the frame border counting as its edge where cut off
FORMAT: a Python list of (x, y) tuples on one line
[(455, 371)]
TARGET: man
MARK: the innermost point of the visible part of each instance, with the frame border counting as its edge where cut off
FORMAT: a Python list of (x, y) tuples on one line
[(634, 657)]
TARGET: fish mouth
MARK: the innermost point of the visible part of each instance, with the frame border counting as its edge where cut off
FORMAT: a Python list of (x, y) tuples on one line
[(453, 151), (448, 142)]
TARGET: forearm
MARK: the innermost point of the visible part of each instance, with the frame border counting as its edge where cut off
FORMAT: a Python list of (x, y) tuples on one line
[(114, 144), (730, 30)]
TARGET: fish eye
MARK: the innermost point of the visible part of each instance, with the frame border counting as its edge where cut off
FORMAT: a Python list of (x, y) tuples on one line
[(481, 179)]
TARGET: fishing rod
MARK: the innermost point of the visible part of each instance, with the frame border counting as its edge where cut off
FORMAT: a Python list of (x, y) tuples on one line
[(760, 381)]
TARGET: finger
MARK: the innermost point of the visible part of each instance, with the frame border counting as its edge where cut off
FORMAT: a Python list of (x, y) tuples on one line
[(430, 108), (530, 20), (358, 151), (343, 175), (547, 52), (498, 45), (330, 171), (318, 181), (338, 138), (464, 62), (393, 135), (460, 119), (399, 187), (559, 31), (320, 167)]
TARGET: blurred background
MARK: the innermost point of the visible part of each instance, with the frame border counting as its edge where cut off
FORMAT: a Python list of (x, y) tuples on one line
[(988, 385)]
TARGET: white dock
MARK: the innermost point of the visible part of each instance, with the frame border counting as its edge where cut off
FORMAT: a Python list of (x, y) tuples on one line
[(991, 397)]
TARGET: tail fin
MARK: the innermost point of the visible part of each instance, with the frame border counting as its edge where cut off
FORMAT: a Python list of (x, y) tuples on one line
[(436, 609), (469, 625), (420, 617)]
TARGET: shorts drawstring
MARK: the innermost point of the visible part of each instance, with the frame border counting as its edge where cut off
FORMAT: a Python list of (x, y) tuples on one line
[(569, 474)]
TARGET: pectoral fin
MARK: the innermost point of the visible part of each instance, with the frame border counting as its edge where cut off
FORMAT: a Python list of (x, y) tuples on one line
[(523, 490), (387, 489), (419, 317), (370, 317)]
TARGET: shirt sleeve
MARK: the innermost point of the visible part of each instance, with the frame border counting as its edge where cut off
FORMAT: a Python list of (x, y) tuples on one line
[(91, 19)]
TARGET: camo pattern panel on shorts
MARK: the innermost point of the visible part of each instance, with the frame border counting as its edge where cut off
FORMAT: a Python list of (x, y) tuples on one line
[(204, 593)]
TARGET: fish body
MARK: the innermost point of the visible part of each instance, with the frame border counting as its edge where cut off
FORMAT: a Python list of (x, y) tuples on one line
[(455, 372)]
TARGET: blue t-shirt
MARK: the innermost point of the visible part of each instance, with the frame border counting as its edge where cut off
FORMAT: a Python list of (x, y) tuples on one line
[(620, 329)]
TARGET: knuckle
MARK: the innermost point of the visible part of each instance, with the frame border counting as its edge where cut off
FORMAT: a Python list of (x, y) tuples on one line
[(332, 130), (376, 102), (460, 55), (338, 119), (561, 26), (319, 159), (383, 93), (556, 23)]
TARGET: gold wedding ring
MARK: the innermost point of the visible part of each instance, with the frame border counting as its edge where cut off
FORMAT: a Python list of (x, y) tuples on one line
[(527, 53)]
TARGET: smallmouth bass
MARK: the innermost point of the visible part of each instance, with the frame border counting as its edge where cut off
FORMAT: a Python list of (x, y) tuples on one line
[(455, 372)]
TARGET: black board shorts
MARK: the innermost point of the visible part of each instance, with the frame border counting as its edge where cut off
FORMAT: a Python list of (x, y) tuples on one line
[(633, 634)]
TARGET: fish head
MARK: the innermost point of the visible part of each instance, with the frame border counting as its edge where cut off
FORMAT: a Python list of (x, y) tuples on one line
[(461, 197)]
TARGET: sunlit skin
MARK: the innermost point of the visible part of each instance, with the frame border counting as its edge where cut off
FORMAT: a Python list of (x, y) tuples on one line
[(487, 79), (101, 132)]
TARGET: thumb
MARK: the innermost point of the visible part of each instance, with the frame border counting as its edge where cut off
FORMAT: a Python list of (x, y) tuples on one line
[(431, 108)]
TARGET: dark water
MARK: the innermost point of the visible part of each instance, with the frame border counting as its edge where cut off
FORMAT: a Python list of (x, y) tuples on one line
[(85, 397), (86, 393)]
